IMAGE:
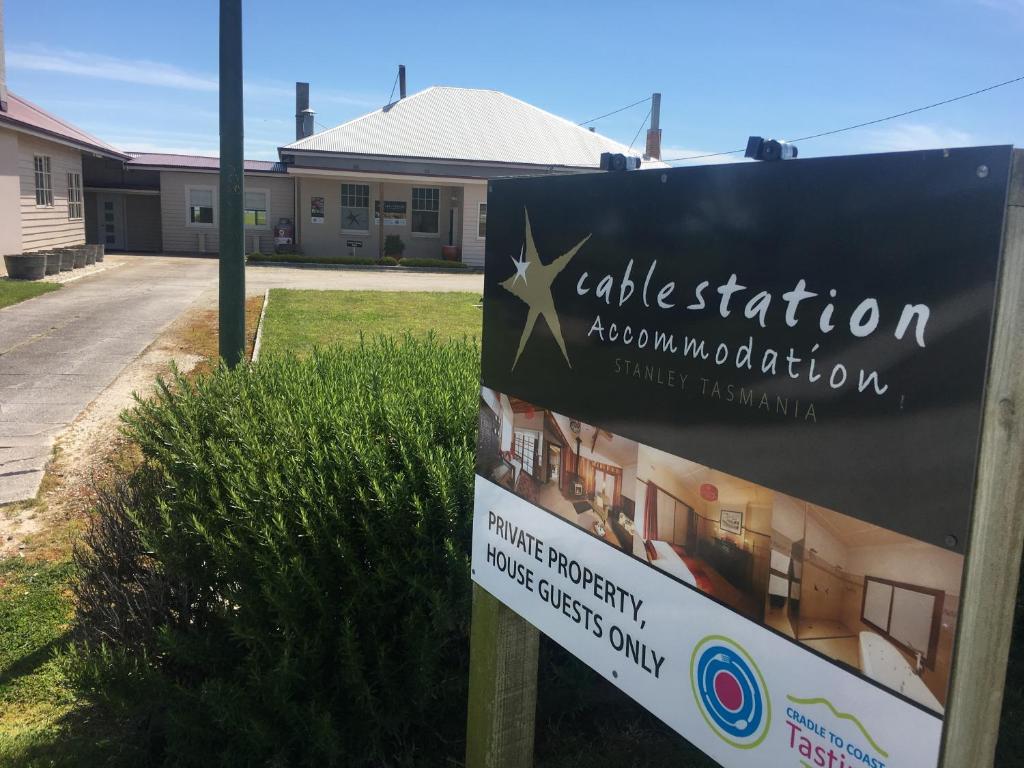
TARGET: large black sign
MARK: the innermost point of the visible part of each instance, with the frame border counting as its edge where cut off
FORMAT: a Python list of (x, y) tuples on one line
[(820, 327)]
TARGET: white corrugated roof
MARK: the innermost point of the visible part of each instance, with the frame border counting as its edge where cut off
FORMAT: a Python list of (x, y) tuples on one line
[(476, 125)]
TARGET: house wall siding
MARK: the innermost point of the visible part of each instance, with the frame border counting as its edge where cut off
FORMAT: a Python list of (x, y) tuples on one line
[(472, 243), (179, 237), (327, 240), (47, 227), (10, 196)]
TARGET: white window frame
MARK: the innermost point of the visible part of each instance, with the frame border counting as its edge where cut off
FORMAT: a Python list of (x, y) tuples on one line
[(188, 205), (413, 210), (42, 165), (342, 206), (75, 207), (481, 215), (266, 210)]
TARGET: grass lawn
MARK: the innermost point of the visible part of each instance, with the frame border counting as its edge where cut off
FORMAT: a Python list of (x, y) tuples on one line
[(34, 614), (13, 291), (298, 321)]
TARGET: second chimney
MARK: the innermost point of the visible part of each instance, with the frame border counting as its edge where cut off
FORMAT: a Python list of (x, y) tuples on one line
[(401, 81), (654, 133), (303, 114)]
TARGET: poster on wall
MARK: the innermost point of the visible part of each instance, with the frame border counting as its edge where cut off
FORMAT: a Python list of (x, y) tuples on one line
[(394, 213), (724, 457), (316, 210)]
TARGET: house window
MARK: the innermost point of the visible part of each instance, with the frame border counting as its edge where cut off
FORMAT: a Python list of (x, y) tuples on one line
[(256, 206), (44, 182), (426, 207), (481, 226), (200, 206), (74, 195), (355, 208)]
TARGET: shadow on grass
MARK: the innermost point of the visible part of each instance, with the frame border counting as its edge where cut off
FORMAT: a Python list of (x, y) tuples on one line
[(90, 736), (31, 662)]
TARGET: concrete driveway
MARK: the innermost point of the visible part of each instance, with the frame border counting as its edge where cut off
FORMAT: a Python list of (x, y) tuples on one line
[(60, 350)]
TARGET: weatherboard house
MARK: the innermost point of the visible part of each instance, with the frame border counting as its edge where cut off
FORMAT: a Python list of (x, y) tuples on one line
[(425, 160), (416, 168)]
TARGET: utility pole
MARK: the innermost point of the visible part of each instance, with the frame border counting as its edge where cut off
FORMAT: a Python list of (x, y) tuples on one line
[(232, 175)]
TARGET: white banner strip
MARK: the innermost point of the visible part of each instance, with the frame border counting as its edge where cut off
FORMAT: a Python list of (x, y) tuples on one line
[(739, 692)]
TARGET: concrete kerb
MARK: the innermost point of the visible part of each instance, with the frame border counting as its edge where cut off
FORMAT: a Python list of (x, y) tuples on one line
[(259, 327), (365, 267)]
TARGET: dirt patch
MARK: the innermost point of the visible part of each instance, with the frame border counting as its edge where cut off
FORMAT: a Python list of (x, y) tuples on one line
[(92, 448)]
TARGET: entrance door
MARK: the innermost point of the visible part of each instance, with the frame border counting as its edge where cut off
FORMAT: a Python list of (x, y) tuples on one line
[(111, 224), (554, 462)]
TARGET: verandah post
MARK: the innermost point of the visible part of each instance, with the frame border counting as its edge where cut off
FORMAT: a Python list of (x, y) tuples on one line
[(502, 686)]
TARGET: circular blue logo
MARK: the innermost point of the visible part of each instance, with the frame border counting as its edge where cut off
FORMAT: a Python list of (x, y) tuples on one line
[(730, 692)]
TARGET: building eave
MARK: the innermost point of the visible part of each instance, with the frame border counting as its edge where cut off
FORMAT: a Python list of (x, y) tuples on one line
[(186, 169), (16, 125), (356, 156), (386, 175)]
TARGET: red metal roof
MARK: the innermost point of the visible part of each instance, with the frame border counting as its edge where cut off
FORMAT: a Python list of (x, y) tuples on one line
[(198, 162), (25, 114)]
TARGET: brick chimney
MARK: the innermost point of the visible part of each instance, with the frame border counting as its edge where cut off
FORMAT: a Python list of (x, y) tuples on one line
[(654, 132), (303, 114), (3, 65)]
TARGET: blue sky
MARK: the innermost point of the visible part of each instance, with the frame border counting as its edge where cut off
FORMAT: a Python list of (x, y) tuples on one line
[(143, 75)]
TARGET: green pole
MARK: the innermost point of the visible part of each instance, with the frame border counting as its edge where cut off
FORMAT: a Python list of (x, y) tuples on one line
[(232, 223)]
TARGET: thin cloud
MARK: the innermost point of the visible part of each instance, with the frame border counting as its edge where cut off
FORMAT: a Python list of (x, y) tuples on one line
[(910, 136), (1013, 7), (139, 71), (39, 58)]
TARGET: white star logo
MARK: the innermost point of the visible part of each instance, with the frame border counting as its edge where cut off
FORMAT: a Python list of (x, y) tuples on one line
[(521, 266), (538, 296)]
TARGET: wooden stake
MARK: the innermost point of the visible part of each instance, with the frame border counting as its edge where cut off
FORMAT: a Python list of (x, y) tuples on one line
[(502, 686), (997, 529)]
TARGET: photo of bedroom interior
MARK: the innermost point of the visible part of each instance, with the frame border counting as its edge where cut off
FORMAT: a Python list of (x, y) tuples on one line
[(874, 600), (582, 474), (710, 529), (877, 603)]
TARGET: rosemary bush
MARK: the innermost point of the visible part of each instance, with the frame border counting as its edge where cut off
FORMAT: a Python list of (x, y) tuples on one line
[(291, 568)]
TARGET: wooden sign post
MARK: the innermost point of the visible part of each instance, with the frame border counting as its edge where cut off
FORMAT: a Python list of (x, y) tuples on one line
[(502, 686), (997, 531), (689, 515)]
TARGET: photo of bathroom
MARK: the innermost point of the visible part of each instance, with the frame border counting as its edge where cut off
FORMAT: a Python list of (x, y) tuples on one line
[(583, 474), (878, 602)]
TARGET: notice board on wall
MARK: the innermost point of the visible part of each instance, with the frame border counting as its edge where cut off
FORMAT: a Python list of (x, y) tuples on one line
[(729, 427)]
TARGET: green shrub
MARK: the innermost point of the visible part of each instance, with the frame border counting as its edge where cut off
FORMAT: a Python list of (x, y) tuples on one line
[(432, 263), (301, 559)]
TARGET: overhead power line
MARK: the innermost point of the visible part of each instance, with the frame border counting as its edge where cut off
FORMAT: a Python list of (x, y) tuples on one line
[(391, 95), (642, 124), (615, 112), (864, 124)]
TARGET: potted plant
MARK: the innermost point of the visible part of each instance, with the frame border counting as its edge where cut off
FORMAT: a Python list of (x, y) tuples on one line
[(26, 266), (450, 252), (394, 246)]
